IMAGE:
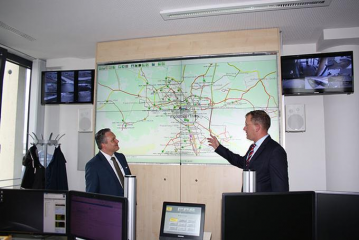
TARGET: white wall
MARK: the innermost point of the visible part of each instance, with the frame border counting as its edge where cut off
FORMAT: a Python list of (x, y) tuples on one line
[(325, 157), (63, 119), (306, 150), (341, 114)]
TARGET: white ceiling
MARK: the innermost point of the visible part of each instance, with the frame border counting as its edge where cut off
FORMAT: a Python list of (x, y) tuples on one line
[(71, 28)]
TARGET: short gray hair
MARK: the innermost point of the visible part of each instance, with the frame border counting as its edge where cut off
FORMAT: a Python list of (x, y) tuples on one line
[(100, 137)]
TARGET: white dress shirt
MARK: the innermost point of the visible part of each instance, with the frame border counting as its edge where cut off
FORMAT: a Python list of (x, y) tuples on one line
[(108, 158)]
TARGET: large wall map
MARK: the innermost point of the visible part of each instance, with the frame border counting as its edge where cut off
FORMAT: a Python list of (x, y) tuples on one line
[(163, 111)]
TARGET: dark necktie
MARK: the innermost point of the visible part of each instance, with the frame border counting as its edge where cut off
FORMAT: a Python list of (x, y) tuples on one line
[(118, 170), (250, 154)]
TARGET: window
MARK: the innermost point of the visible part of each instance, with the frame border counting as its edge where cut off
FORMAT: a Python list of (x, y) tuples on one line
[(14, 85)]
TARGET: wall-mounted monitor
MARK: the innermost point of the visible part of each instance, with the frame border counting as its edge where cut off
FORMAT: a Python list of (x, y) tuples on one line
[(38, 212), (65, 87), (177, 103), (322, 73)]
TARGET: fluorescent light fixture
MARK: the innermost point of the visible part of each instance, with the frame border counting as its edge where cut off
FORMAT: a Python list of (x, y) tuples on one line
[(245, 7)]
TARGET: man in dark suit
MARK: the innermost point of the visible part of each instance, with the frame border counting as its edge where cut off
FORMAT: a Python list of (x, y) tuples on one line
[(105, 172), (268, 158)]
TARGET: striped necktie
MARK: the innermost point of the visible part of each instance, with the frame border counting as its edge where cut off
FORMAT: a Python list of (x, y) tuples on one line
[(250, 154)]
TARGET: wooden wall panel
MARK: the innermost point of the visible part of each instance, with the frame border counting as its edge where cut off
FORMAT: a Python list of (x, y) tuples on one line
[(186, 183), (156, 183), (205, 184), (189, 45)]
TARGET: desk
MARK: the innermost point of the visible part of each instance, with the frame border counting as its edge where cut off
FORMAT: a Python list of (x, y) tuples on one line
[(36, 237)]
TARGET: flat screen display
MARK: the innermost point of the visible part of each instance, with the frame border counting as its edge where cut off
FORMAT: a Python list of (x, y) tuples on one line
[(33, 212), (182, 220), (337, 215), (258, 216), (168, 107), (323, 73), (96, 216), (50, 87), (66, 87), (85, 86)]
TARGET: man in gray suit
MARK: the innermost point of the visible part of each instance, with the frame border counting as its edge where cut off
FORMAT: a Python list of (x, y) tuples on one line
[(105, 172), (266, 156)]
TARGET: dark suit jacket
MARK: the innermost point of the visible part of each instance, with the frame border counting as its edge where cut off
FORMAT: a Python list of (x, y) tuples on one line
[(100, 176), (269, 162), (56, 174), (34, 176)]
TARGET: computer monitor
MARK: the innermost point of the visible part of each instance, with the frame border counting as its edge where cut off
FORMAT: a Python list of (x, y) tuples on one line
[(337, 215), (259, 216), (97, 216), (182, 221), (38, 212)]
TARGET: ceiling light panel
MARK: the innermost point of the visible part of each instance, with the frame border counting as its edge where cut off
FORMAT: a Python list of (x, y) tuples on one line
[(240, 8)]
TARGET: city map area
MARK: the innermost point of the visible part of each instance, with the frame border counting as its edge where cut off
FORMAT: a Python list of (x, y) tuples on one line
[(163, 111)]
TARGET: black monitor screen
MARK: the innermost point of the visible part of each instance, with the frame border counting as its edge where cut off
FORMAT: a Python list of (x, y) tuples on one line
[(322, 73), (337, 216), (96, 216), (67, 86), (33, 212), (50, 87), (258, 216)]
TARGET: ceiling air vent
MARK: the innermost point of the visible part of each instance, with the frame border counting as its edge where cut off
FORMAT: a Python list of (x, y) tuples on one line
[(240, 8), (17, 32)]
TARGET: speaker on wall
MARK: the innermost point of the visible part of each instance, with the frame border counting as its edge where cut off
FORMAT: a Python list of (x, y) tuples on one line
[(85, 120), (295, 118)]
